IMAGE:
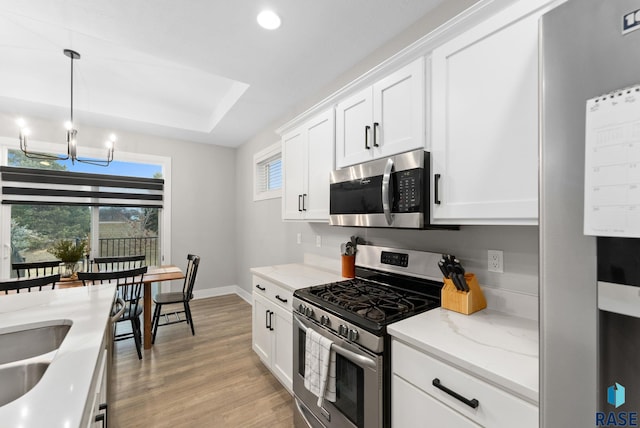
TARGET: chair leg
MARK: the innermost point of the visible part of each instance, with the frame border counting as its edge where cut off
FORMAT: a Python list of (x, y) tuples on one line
[(156, 321), (135, 326), (187, 312)]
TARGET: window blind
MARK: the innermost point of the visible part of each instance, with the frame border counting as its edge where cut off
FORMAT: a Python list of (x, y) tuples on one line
[(270, 174), (27, 186)]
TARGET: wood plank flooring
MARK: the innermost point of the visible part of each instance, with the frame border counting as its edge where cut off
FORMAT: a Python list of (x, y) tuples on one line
[(212, 379)]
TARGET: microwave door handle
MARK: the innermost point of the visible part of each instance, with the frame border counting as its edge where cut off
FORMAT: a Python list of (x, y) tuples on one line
[(386, 186)]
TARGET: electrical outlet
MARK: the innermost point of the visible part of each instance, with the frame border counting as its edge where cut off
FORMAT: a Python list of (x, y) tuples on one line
[(299, 238), (495, 261), (318, 241)]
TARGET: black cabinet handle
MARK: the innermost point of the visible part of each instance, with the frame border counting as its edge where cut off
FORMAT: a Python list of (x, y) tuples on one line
[(266, 319), (270, 321), (304, 197), (366, 137), (471, 403), (299, 199), (260, 288), (281, 299), (436, 185), (375, 134), (102, 417)]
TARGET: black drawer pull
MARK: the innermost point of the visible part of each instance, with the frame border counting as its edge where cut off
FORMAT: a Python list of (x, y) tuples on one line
[(260, 288), (436, 181), (471, 403), (281, 299)]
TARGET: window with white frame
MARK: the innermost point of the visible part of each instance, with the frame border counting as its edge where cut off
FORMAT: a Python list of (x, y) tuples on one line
[(267, 173)]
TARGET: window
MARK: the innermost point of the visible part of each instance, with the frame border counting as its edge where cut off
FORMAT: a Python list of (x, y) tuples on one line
[(267, 178), (125, 215)]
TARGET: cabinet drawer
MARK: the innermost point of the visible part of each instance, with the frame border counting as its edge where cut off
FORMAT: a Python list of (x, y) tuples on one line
[(496, 407), (275, 293)]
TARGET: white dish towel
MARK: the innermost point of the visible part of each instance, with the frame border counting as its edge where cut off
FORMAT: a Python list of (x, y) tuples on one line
[(319, 367)]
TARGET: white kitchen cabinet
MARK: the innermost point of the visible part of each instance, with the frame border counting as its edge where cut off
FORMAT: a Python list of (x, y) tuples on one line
[(484, 120), (97, 403), (307, 155), (273, 329), (383, 119), (416, 398)]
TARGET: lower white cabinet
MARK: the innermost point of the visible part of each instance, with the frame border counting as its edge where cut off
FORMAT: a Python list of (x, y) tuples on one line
[(427, 392), (273, 329), (97, 406)]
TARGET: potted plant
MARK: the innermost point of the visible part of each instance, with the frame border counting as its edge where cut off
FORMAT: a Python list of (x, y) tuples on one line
[(69, 253)]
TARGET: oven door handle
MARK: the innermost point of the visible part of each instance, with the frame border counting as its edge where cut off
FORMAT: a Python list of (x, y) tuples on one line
[(387, 185), (350, 355)]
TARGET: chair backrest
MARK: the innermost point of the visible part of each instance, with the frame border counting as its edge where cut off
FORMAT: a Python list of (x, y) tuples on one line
[(119, 262), (48, 282), (32, 269), (193, 262), (129, 282)]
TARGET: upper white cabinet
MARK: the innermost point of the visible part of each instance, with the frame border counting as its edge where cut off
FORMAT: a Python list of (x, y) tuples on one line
[(484, 121), (383, 119), (307, 160)]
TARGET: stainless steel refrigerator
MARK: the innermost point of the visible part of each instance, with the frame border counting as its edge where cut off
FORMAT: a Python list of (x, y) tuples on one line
[(584, 54)]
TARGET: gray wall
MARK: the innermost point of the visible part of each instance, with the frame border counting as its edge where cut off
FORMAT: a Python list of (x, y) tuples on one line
[(202, 193), (266, 240)]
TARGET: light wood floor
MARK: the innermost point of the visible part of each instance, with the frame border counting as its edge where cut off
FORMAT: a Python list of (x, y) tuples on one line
[(212, 379)]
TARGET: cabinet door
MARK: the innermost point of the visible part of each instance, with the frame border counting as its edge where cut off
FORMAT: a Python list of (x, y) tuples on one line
[(320, 139), (353, 129), (399, 111), (485, 121), (261, 334), (293, 166), (411, 407), (282, 351)]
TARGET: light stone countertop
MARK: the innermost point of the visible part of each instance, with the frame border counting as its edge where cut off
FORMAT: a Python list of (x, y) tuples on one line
[(496, 347), (59, 398), (296, 275)]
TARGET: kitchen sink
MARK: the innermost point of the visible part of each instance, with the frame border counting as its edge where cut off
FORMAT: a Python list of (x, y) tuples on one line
[(17, 380), (31, 342)]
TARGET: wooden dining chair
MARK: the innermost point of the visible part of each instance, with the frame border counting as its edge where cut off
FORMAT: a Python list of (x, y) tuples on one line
[(129, 289), (30, 284), (32, 269), (119, 262), (178, 297)]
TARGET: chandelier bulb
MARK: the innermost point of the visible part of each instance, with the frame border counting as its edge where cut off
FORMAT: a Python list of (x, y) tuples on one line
[(21, 123), (68, 125)]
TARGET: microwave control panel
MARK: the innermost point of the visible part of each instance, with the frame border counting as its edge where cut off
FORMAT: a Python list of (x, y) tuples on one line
[(408, 196)]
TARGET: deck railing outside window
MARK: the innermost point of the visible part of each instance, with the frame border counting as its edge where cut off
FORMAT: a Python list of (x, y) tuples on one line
[(112, 247)]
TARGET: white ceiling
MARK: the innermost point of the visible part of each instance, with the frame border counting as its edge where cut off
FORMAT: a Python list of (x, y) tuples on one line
[(197, 70)]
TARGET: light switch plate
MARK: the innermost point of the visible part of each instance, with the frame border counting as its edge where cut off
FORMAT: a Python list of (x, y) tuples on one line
[(318, 241), (299, 238), (495, 261)]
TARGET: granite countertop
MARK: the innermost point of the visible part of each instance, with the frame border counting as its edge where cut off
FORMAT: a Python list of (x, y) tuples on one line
[(499, 348), (59, 398), (296, 275)]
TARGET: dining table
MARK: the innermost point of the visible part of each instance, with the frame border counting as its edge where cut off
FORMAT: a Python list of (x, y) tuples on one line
[(154, 274)]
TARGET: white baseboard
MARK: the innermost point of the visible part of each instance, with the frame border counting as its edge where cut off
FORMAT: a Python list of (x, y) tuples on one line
[(223, 291)]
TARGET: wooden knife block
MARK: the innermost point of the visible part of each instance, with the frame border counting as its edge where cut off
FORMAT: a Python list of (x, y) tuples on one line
[(464, 302)]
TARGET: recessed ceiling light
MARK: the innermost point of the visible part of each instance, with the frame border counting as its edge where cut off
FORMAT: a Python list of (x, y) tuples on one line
[(268, 20)]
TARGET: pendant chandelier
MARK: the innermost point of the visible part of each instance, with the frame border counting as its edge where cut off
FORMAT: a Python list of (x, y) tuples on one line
[(71, 134)]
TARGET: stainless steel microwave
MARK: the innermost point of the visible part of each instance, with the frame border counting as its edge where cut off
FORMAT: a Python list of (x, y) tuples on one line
[(390, 192)]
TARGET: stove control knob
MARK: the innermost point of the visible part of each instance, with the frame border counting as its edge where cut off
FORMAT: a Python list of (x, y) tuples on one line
[(353, 335), (308, 312), (324, 320), (343, 330), (301, 308)]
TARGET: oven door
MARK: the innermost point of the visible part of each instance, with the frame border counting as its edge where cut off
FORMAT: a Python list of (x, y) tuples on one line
[(358, 384)]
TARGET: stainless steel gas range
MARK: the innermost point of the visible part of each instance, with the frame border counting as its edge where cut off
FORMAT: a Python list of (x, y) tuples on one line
[(390, 285)]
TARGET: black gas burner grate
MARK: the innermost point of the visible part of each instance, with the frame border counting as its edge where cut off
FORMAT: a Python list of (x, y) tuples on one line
[(372, 301)]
